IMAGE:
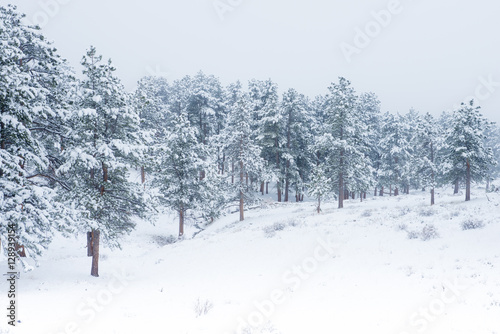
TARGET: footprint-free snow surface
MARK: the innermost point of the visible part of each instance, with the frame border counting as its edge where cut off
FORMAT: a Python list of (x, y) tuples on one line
[(385, 265)]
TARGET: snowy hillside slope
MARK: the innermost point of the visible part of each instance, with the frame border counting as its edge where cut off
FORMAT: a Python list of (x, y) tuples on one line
[(386, 265)]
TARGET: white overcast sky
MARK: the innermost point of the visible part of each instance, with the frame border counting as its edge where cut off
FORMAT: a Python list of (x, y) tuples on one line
[(430, 56)]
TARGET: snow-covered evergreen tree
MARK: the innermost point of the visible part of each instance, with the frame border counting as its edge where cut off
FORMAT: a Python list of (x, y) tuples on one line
[(104, 144), (267, 115), (319, 186), (428, 150), (297, 137), (179, 162), (368, 109), (30, 70), (347, 158), (396, 153), (241, 149), (467, 156)]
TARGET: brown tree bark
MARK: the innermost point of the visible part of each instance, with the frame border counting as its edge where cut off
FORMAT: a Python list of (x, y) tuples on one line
[(95, 253), (181, 221), (467, 182), (341, 190), (432, 196), (242, 217)]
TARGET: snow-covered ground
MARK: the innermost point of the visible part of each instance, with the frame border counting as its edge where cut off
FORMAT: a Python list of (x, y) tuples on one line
[(386, 265)]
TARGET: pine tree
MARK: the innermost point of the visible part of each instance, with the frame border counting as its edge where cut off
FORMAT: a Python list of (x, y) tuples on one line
[(241, 148), (368, 109), (427, 158), (104, 144), (346, 156), (267, 126), (297, 138), (29, 76), (466, 151), (319, 186), (180, 160), (396, 153)]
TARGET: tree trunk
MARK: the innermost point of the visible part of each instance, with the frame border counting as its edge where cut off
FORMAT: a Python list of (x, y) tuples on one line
[(432, 196), (262, 188), (353, 195), (279, 191), (95, 253), (467, 182), (267, 188), (181, 221), (143, 176), (341, 190), (456, 187), (319, 204), (287, 183), (242, 217), (396, 191), (375, 193), (381, 191), (232, 173)]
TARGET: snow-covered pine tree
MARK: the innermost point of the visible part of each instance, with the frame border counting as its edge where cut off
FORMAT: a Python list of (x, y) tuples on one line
[(240, 147), (319, 185), (368, 109), (467, 156), (297, 138), (428, 149), (151, 102), (180, 160), (103, 145), (347, 158), (29, 74), (396, 152), (267, 128), (492, 140)]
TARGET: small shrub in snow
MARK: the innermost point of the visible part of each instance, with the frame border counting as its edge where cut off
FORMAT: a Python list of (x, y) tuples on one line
[(471, 224), (413, 234), (366, 213), (429, 232), (404, 211), (272, 229), (202, 307), (402, 227), (427, 212), (161, 240)]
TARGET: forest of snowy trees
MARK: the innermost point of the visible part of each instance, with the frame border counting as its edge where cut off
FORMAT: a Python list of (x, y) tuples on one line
[(70, 148)]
